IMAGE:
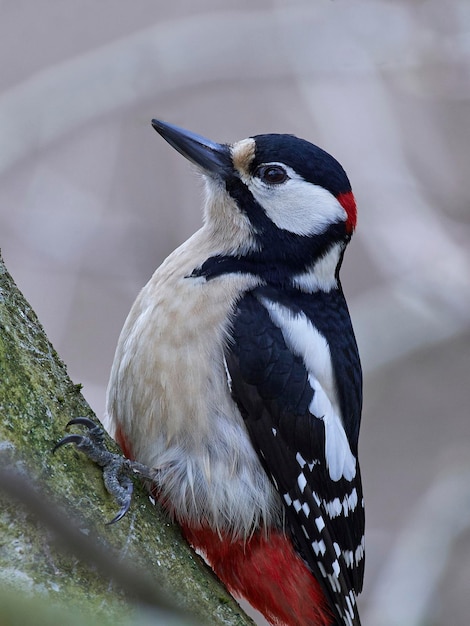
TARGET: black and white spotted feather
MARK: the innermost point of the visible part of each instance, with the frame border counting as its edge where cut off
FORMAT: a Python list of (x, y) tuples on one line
[(296, 379)]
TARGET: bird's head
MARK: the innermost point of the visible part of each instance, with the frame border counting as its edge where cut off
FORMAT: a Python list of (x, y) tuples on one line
[(274, 198)]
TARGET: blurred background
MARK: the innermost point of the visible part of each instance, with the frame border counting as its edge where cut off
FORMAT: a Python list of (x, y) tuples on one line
[(92, 200)]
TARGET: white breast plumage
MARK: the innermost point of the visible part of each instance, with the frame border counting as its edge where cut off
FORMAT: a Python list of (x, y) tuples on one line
[(170, 395)]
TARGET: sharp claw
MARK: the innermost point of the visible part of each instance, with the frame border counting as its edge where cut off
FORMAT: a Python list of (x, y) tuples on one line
[(77, 439), (121, 513), (84, 421), (116, 469)]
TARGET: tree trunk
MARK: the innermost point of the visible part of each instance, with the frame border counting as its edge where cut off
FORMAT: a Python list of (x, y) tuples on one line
[(54, 543)]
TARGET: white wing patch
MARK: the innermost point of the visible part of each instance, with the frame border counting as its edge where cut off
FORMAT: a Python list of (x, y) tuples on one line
[(306, 341), (340, 460)]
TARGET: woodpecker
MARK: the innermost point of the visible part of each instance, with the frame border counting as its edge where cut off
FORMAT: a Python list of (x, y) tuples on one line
[(237, 379)]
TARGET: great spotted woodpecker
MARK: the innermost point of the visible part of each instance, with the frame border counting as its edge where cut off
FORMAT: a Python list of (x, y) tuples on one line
[(237, 380)]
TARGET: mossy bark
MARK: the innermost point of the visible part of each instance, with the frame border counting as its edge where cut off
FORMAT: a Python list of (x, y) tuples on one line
[(37, 399)]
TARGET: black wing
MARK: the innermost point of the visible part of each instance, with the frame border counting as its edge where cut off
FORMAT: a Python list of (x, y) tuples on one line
[(275, 391)]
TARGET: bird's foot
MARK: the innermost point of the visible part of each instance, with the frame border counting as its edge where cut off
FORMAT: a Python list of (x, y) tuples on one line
[(117, 470)]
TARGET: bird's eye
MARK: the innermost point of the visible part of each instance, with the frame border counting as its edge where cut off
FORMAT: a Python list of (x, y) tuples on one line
[(272, 174)]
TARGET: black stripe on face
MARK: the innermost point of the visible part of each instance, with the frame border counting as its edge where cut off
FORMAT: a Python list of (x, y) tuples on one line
[(279, 254)]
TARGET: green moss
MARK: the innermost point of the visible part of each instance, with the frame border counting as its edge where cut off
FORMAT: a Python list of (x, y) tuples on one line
[(37, 399)]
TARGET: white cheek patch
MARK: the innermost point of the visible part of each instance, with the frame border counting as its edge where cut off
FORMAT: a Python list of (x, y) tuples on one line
[(297, 206), (306, 341)]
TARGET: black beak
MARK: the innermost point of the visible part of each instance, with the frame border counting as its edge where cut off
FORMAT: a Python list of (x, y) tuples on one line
[(213, 158)]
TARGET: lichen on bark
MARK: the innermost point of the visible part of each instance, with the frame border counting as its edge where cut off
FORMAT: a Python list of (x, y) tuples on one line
[(37, 399)]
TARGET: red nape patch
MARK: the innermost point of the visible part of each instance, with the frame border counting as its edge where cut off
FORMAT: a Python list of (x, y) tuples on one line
[(123, 443), (268, 573), (348, 203)]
